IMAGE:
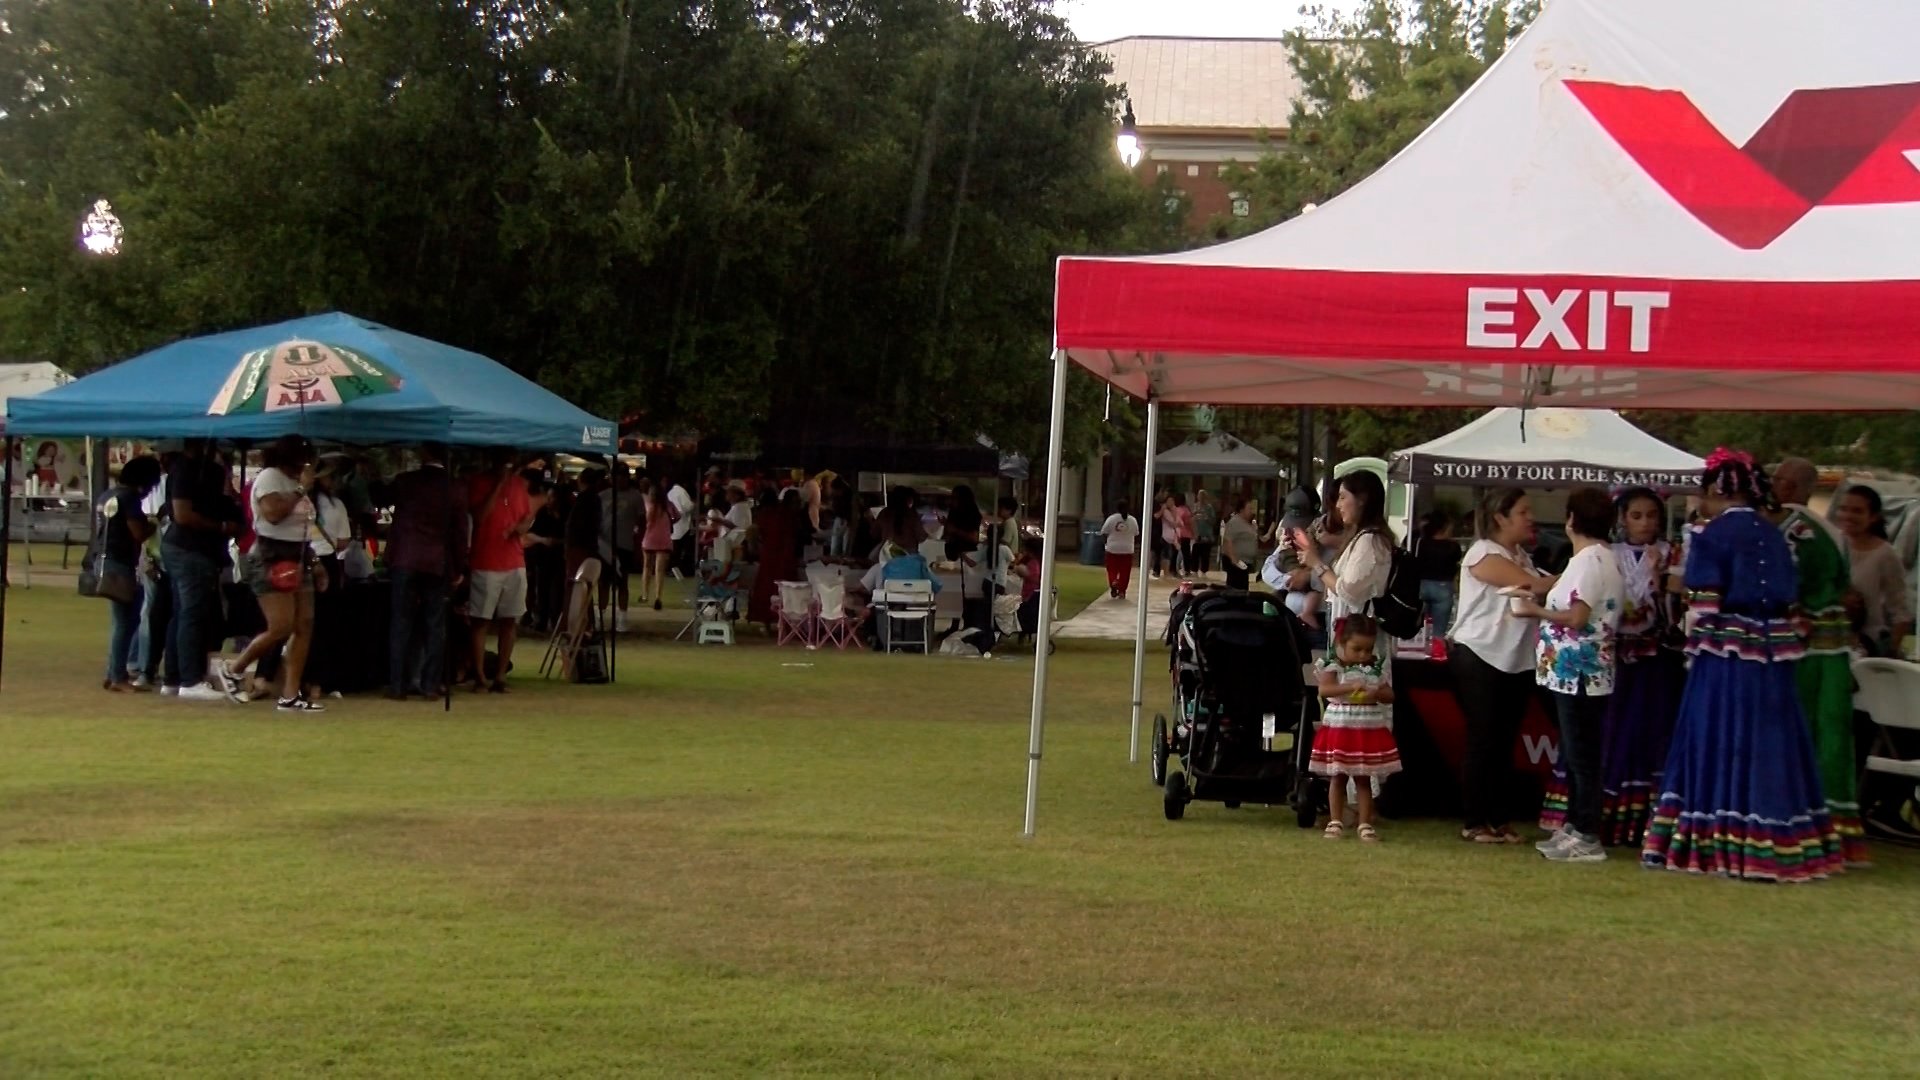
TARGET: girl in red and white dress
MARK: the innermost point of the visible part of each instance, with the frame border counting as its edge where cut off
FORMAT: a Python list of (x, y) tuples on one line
[(1355, 738)]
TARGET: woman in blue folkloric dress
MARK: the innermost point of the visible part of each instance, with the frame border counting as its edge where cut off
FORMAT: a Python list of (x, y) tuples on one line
[(1742, 791)]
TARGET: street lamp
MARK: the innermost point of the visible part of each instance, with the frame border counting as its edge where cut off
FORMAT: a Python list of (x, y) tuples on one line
[(1128, 142), (100, 231)]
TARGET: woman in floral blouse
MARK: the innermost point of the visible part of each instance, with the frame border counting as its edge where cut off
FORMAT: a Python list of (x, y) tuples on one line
[(1575, 661)]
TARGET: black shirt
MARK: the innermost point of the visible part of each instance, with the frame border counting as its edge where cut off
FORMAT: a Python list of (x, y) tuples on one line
[(583, 522), (1439, 560), (203, 485), (118, 543)]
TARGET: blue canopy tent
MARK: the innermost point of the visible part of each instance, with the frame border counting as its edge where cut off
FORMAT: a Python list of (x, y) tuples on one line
[(331, 378), (334, 378)]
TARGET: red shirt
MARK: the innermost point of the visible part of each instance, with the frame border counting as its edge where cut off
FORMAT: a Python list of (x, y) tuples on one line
[(495, 548)]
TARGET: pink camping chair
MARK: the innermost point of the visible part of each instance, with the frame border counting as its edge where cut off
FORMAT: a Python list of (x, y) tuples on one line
[(832, 625), (793, 614)]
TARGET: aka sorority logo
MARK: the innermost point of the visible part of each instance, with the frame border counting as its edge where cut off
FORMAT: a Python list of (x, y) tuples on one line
[(1843, 146)]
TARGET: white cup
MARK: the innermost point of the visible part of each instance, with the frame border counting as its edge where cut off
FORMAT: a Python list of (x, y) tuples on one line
[(1514, 602)]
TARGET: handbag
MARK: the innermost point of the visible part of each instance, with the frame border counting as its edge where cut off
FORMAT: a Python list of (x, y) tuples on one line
[(97, 579), (284, 575)]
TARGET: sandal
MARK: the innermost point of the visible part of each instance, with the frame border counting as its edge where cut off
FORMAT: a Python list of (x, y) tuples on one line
[(1335, 830), (1487, 836), (1476, 835), (1369, 834), (1505, 835)]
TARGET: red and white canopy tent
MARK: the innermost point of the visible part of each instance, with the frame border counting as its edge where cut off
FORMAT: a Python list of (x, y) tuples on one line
[(1712, 204)]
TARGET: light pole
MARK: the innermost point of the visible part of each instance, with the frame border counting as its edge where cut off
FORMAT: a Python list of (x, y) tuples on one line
[(1128, 141)]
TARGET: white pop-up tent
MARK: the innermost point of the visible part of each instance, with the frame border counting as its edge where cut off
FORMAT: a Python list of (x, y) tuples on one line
[(26, 380), (1549, 448), (1702, 205), (1216, 455)]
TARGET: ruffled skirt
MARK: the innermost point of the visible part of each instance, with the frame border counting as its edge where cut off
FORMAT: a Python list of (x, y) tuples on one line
[(1741, 793)]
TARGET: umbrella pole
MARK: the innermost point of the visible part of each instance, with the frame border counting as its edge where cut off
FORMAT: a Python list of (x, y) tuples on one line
[(6, 541)]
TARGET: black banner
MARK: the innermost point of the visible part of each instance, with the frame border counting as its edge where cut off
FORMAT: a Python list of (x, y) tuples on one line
[(1421, 469)]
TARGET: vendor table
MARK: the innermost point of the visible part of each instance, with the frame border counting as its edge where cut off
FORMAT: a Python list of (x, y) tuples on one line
[(1431, 731)]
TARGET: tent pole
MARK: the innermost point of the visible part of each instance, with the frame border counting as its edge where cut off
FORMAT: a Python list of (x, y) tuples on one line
[(1056, 429), (6, 538), (1145, 582)]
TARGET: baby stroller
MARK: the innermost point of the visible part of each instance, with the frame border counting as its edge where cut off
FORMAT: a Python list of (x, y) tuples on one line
[(1242, 720)]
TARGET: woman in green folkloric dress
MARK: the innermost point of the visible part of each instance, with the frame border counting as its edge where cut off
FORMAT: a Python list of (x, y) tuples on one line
[(1826, 672)]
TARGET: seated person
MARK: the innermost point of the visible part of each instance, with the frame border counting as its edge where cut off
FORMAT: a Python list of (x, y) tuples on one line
[(895, 564), (1027, 568), (985, 566), (724, 551)]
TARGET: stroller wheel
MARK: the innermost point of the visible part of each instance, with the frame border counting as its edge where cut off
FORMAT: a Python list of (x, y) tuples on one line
[(1305, 816), (1231, 805), (1157, 755), (1176, 798)]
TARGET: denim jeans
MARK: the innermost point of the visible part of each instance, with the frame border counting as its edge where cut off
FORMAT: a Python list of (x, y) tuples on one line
[(417, 637), (1437, 598), (158, 624), (126, 625), (1580, 718), (196, 613)]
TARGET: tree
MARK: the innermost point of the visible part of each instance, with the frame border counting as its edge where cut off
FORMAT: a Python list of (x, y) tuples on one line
[(696, 217)]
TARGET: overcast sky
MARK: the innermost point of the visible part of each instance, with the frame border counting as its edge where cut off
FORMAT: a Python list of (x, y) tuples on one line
[(1104, 20)]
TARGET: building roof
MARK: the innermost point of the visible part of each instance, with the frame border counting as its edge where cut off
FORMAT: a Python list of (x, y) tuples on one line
[(1205, 83)]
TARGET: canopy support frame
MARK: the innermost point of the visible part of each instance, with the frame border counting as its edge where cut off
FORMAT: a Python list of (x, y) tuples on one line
[(1146, 582), (6, 538), (1056, 450)]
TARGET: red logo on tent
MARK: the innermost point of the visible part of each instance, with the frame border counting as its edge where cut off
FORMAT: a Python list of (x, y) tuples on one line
[(1844, 146)]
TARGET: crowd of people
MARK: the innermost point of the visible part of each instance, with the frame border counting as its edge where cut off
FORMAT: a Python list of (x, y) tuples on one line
[(1700, 680), (206, 547)]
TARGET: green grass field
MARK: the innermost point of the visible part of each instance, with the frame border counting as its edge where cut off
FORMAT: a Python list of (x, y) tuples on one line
[(731, 865)]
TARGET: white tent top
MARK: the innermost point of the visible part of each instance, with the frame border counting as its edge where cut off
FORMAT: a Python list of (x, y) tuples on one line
[(1549, 448), (1215, 455), (26, 380), (1712, 204)]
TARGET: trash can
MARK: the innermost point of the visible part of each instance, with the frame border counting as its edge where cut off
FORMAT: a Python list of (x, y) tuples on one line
[(1093, 546)]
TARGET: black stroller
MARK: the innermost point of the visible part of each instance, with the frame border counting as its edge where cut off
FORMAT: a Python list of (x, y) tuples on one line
[(1242, 725)]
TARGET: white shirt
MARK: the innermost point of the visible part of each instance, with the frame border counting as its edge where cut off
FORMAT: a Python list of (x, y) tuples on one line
[(333, 519), (740, 515), (682, 502), (1122, 533), (726, 546), (292, 528), (156, 500), (1360, 575), (1569, 659), (1484, 624), (973, 578)]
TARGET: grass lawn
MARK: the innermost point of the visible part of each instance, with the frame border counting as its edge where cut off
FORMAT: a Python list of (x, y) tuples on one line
[(730, 865)]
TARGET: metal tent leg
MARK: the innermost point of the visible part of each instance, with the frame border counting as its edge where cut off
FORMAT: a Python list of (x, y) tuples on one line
[(1147, 509), (1056, 430)]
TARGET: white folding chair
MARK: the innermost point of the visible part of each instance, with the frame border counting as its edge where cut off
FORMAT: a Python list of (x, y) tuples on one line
[(909, 604), (831, 624), (1889, 692), (793, 613)]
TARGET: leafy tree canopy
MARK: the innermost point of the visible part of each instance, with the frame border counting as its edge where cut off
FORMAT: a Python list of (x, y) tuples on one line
[(693, 215)]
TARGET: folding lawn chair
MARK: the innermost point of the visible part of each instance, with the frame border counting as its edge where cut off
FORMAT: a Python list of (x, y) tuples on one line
[(581, 619), (832, 626), (909, 605), (793, 613), (1889, 692)]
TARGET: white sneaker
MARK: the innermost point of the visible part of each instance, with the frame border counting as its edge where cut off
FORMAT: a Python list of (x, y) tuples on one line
[(169, 691), (201, 692), (299, 705), (1578, 850), (620, 622), (141, 682), (1560, 836)]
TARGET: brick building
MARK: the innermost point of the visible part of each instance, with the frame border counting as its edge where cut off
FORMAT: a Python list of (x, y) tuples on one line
[(1200, 106)]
